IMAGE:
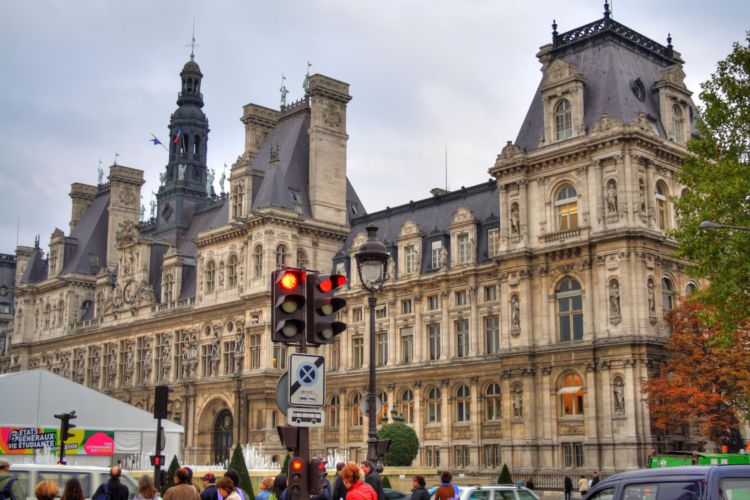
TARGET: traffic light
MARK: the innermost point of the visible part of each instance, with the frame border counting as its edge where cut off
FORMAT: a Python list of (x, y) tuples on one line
[(297, 481), (288, 305), (65, 425), (322, 328), (157, 460), (316, 471)]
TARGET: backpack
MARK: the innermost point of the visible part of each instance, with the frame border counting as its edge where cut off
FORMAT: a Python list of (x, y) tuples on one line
[(103, 494), (455, 493), (6, 493)]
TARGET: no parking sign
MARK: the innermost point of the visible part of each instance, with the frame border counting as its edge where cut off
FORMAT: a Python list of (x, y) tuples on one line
[(307, 380)]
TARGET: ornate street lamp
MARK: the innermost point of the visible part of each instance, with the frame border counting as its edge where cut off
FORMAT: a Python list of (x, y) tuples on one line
[(372, 263), (711, 225)]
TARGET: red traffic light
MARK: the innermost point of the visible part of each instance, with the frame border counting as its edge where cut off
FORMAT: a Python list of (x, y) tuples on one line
[(322, 465), (289, 280), (296, 464), (333, 282)]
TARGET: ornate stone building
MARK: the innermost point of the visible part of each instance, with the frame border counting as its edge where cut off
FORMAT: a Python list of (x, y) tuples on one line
[(521, 314)]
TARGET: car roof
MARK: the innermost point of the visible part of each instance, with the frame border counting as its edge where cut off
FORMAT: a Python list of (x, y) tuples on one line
[(76, 468), (687, 470)]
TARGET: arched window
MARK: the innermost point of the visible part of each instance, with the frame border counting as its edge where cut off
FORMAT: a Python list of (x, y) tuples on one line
[(434, 404), (232, 271), (667, 300), (383, 413), (47, 315), (301, 259), (281, 255), (566, 206), (690, 289), (168, 287), (98, 305), (356, 412), (662, 206), (463, 404), (492, 402), (237, 199), (258, 261), (571, 395), (210, 276), (85, 308), (570, 310), (563, 120), (333, 412), (678, 124), (407, 406), (222, 437), (60, 312)]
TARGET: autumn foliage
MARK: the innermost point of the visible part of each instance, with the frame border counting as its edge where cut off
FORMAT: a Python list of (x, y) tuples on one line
[(706, 379)]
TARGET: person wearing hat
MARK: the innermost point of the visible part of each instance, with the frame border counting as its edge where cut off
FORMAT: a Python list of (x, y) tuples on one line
[(10, 483), (209, 487)]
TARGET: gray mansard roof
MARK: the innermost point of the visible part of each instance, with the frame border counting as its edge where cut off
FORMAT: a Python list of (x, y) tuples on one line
[(611, 57), (90, 233)]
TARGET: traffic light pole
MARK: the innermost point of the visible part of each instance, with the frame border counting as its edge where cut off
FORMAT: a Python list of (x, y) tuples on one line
[(159, 447)]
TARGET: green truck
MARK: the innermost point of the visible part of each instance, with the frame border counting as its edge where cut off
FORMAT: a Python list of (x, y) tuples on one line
[(677, 458)]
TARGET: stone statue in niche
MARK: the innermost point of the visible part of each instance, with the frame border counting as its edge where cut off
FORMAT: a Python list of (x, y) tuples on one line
[(95, 367), (166, 360), (239, 345), (612, 197), (515, 313), (614, 299), (181, 171), (651, 298), (472, 249), (515, 220), (215, 357), (642, 199), (518, 403), (443, 258), (618, 393)]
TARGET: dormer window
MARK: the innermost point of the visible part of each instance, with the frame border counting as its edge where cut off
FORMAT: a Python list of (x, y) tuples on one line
[(463, 248), (435, 249), (563, 120), (678, 124), (411, 259)]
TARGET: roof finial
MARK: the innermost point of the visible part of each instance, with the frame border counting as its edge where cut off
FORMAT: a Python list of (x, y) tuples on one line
[(606, 9), (554, 32), (670, 49), (193, 45), (283, 90), (306, 83)]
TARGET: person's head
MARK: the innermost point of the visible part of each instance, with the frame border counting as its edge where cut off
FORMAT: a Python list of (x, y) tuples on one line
[(208, 478), (279, 485), (190, 474), (266, 483), (46, 490), (146, 487), (595, 473), (115, 472), (73, 490), (418, 482), (367, 466), (234, 476), (181, 476), (350, 474), (4, 465), (225, 485), (339, 466), (446, 476), (583, 477)]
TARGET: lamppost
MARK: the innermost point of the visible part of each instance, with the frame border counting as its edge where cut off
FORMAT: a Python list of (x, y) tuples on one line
[(707, 224), (372, 262)]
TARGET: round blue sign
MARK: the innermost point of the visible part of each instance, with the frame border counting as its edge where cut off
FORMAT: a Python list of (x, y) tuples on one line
[(307, 374)]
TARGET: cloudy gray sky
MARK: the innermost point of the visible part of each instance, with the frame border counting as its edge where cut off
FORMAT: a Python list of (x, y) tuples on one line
[(82, 80)]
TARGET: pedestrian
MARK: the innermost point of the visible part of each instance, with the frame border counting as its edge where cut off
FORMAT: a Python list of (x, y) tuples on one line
[(46, 490), (73, 490), (146, 489), (265, 489), (373, 478), (530, 482), (210, 491), (325, 492), (113, 489), (583, 486), (356, 488), (567, 487), (190, 481), (9, 485), (227, 489), (446, 490), (235, 477), (339, 490), (594, 479), (419, 492), (279, 487), (182, 489)]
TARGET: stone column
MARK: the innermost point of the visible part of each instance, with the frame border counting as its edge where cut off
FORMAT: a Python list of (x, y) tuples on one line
[(418, 426), (445, 420), (474, 323), (420, 354), (445, 327), (344, 423), (475, 419), (394, 334), (591, 412)]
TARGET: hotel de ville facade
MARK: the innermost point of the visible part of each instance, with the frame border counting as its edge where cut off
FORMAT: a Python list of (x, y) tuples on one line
[(520, 318)]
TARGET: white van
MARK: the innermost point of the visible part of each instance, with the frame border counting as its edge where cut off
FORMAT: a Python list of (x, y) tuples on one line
[(29, 475)]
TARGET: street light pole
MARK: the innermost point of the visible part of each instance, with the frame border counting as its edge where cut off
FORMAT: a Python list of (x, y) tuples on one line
[(372, 262), (711, 225)]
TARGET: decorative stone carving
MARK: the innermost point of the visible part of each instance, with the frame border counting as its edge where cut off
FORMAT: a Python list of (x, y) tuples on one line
[(332, 115), (147, 362), (215, 355), (443, 258), (166, 358), (129, 363), (642, 210), (612, 204), (618, 397), (651, 301), (517, 402), (614, 302), (96, 366), (509, 151), (605, 123), (515, 315), (515, 220)]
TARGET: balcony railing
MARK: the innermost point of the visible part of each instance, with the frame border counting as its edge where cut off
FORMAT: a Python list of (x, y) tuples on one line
[(562, 235)]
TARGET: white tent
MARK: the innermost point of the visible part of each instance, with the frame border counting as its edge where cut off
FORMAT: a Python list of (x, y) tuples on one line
[(32, 398)]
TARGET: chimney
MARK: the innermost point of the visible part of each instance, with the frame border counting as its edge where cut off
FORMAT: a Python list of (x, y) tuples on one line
[(82, 196), (258, 122), (124, 204)]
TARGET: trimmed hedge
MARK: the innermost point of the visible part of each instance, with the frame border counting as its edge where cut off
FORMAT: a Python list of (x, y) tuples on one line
[(404, 444)]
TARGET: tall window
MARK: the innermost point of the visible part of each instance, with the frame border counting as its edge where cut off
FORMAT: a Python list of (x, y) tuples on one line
[(411, 259), (571, 395), (210, 276), (407, 406), (335, 361), (406, 306), (462, 338), (168, 291), (461, 456), (563, 120), (433, 303), (357, 314), (463, 404), (662, 206), (566, 206), (492, 402), (492, 334), (357, 352), (463, 248), (461, 298), (206, 364), (433, 332), (432, 454), (678, 124), (434, 405), (279, 356), (356, 412), (222, 436), (281, 256), (230, 359), (232, 271), (254, 351), (490, 293), (301, 259), (407, 345), (570, 310), (381, 312), (258, 261), (492, 455), (572, 455), (237, 199), (381, 341), (333, 412), (435, 250), (493, 242)]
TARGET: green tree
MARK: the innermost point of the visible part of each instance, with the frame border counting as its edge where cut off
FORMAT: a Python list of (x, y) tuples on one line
[(173, 466), (285, 467), (716, 176), (238, 463), (386, 482), (404, 444), (505, 477)]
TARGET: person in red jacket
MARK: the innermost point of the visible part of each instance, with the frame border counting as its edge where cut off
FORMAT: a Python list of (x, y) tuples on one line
[(356, 488)]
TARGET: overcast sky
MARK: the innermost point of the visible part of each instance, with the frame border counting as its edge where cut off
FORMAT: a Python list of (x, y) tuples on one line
[(83, 80)]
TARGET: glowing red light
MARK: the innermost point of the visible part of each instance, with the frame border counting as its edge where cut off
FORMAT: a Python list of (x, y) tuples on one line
[(326, 286), (339, 280), (322, 466), (289, 280), (296, 464)]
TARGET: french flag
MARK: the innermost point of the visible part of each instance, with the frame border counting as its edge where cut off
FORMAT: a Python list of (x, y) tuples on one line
[(177, 137)]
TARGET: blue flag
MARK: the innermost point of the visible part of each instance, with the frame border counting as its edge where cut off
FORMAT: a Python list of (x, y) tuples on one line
[(155, 141)]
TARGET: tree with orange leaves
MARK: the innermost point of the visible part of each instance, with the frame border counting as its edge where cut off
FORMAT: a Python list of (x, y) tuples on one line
[(706, 379)]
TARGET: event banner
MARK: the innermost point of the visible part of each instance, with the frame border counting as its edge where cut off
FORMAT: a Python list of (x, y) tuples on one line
[(24, 440)]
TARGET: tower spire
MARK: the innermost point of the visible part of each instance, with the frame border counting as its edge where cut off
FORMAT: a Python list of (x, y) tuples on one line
[(192, 44)]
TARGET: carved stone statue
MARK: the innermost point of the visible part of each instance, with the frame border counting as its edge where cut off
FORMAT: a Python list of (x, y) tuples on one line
[(215, 356), (96, 367), (614, 299), (618, 393), (162, 178), (129, 362), (210, 175), (515, 313), (612, 197), (166, 360), (515, 220), (223, 178), (472, 249), (518, 403), (181, 171), (111, 367), (153, 208), (100, 174), (642, 198), (80, 370), (443, 258), (239, 345), (391, 268), (651, 298), (147, 363)]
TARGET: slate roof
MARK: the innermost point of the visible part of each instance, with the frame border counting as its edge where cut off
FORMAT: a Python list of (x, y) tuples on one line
[(610, 61), (8, 279), (91, 235), (36, 270)]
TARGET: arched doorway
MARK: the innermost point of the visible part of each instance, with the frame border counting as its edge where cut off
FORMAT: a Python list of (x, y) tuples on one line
[(222, 445)]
